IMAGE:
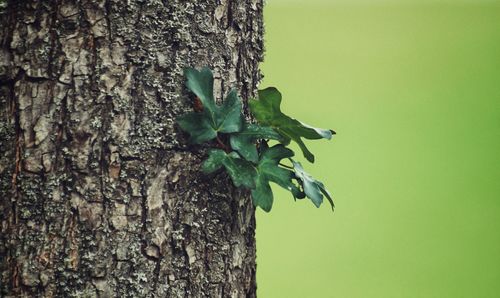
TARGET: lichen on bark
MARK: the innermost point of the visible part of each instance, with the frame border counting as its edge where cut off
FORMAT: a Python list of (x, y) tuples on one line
[(101, 196)]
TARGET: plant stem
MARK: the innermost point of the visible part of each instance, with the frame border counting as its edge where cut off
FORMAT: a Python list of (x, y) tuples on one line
[(285, 166), (222, 145)]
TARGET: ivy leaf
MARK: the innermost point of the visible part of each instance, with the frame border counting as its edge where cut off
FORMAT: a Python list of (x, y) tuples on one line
[(242, 172), (214, 161), (267, 111), (262, 195), (199, 127), (201, 83), (269, 171), (244, 141), (229, 118), (313, 188), (225, 118)]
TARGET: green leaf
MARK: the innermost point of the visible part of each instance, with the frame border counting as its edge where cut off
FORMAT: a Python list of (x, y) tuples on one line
[(201, 83), (244, 141), (198, 126), (225, 118), (229, 118), (269, 171), (262, 195), (214, 161), (257, 178), (313, 188), (214, 118), (267, 111), (242, 172)]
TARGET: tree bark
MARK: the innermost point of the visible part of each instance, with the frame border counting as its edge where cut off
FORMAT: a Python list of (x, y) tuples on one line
[(100, 194)]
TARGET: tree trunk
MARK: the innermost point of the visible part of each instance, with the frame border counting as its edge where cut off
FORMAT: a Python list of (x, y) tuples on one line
[(100, 194)]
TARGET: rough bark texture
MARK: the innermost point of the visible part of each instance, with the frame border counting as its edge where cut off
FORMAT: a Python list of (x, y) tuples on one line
[(100, 195)]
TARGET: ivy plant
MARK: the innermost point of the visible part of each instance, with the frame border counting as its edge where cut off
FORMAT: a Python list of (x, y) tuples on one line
[(243, 148)]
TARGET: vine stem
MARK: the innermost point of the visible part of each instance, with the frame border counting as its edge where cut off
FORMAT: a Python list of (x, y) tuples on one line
[(222, 145), (285, 166)]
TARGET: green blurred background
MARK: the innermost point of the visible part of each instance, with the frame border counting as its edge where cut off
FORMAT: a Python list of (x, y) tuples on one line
[(413, 90)]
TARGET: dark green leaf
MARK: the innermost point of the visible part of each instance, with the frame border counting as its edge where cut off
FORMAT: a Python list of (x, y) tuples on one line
[(313, 188), (229, 118), (201, 83), (244, 141), (214, 161), (242, 172), (267, 111), (224, 118), (262, 195), (269, 171), (198, 126), (326, 193)]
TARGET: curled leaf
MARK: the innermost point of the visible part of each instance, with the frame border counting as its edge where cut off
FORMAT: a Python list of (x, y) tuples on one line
[(267, 111), (313, 188)]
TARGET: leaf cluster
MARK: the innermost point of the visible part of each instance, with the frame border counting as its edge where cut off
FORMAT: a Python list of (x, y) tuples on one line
[(242, 148)]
